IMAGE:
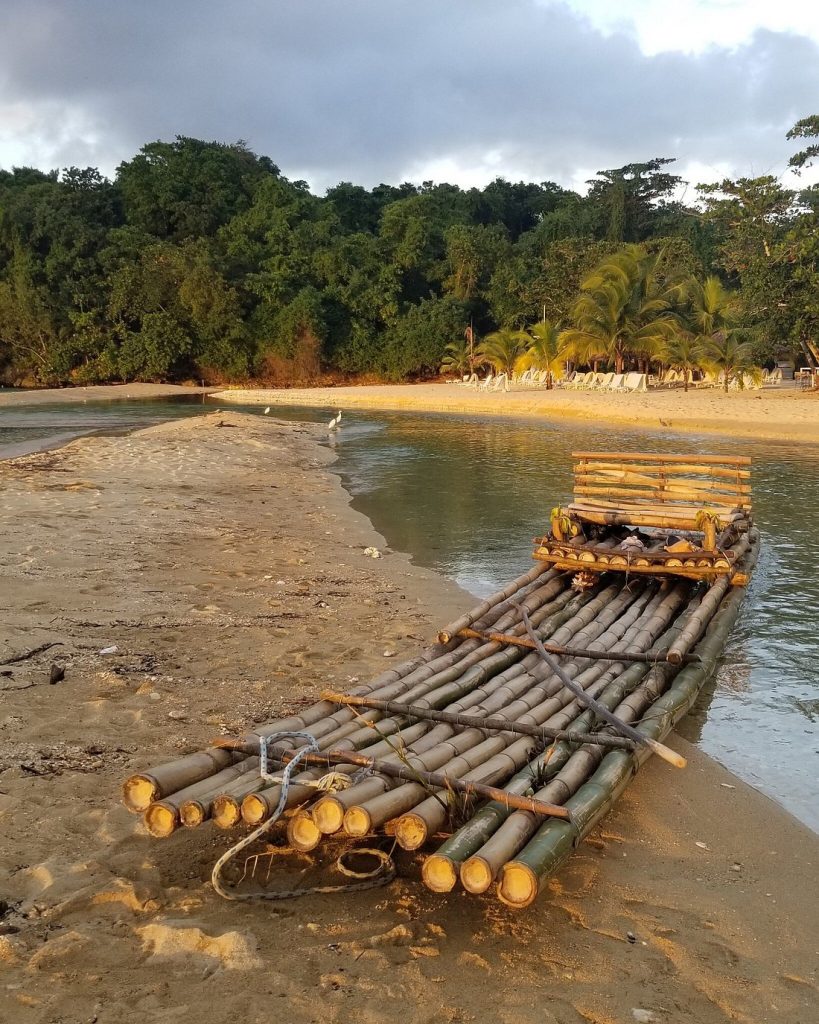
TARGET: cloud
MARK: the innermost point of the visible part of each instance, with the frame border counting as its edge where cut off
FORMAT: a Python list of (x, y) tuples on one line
[(369, 91)]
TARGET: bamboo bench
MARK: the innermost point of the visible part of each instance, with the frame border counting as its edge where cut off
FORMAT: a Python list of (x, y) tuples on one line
[(706, 495)]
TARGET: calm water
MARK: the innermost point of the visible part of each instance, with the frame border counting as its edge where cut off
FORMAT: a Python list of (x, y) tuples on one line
[(465, 496)]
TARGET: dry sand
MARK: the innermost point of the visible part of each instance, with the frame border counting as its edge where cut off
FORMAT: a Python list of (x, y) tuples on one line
[(221, 558), (779, 413)]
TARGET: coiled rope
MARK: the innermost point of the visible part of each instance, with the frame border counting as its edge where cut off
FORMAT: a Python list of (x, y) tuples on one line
[(381, 875)]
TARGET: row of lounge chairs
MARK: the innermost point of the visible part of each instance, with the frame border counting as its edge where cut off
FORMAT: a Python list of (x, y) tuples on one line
[(605, 382)]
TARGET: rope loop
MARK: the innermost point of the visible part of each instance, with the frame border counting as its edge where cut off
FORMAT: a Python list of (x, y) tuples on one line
[(381, 875)]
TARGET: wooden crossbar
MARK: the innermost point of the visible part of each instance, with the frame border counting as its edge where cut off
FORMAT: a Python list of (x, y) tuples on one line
[(702, 460)]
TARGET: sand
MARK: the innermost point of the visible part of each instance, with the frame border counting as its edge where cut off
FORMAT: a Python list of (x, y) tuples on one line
[(225, 564), (96, 393), (779, 413)]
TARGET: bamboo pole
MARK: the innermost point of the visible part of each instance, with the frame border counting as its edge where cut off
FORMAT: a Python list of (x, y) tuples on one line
[(700, 460), (140, 791), (567, 652), (473, 721), (161, 818), (450, 631)]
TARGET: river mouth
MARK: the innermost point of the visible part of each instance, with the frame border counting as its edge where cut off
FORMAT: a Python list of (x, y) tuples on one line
[(465, 495)]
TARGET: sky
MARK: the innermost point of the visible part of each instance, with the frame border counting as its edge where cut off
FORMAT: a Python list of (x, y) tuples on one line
[(394, 90)]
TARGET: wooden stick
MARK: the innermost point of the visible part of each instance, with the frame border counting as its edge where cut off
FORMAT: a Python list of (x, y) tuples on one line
[(703, 460), (25, 655), (671, 756), (409, 774), (570, 652), (475, 722)]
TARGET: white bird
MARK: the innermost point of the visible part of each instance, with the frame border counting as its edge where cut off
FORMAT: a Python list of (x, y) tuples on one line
[(267, 410), (335, 422)]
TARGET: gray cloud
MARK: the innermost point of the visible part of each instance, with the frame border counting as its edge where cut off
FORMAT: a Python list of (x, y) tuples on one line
[(376, 90)]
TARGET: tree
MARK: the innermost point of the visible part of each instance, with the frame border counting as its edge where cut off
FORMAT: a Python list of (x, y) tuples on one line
[(623, 310), (685, 351), (502, 349), (456, 357), (733, 358), (546, 350), (627, 198)]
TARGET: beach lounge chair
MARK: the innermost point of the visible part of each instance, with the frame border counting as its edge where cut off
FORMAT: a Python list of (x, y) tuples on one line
[(485, 384), (635, 382), (616, 383), (603, 383)]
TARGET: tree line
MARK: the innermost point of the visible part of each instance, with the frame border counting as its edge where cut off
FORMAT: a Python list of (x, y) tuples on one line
[(200, 260)]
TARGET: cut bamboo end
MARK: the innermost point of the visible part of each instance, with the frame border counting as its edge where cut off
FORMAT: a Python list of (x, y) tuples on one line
[(328, 814), (476, 875), (411, 831), (302, 832), (254, 810), (518, 886), (226, 811), (444, 637), (139, 792), (666, 753), (192, 814), (357, 821), (160, 821), (439, 874)]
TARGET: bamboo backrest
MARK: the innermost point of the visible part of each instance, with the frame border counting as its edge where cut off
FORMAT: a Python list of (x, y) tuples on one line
[(626, 479)]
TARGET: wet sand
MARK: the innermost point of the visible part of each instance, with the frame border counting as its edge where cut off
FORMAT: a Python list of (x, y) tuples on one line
[(97, 393), (777, 413), (221, 558)]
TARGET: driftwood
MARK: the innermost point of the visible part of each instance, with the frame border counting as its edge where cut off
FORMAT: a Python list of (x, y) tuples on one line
[(25, 655)]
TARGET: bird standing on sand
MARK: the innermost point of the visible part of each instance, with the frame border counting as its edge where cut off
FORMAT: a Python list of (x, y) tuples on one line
[(267, 411), (335, 422)]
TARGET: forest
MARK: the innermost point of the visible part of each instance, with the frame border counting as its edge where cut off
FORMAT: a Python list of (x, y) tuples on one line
[(201, 261)]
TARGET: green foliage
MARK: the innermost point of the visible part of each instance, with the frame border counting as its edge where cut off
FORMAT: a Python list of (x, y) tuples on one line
[(201, 258), (503, 349)]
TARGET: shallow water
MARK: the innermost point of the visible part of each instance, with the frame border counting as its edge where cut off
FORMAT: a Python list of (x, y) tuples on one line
[(465, 495)]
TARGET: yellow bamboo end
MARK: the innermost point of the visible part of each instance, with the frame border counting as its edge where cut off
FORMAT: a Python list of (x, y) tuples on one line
[(438, 873), (192, 814), (328, 814), (139, 792), (254, 810), (160, 821), (357, 822), (302, 833), (476, 875), (411, 831), (226, 811), (518, 886)]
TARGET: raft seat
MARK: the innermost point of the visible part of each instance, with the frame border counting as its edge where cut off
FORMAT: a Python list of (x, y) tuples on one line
[(666, 491), (702, 495)]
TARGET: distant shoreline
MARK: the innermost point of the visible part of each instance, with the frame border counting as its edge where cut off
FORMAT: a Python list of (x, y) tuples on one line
[(98, 393), (783, 414)]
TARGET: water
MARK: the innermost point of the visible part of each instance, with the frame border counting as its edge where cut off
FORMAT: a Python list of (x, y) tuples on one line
[(466, 495)]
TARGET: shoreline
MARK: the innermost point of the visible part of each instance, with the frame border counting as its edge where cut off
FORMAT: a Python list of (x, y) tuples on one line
[(98, 393), (227, 566), (774, 414)]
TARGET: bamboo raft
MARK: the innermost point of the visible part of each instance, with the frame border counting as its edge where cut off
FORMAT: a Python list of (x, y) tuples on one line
[(496, 750)]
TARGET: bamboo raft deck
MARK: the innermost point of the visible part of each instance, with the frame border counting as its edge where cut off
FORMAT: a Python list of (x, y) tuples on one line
[(497, 749)]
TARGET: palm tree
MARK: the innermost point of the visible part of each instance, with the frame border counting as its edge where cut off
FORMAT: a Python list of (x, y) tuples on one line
[(503, 349), (710, 319), (733, 358), (624, 308), (685, 352), (456, 358), (545, 351)]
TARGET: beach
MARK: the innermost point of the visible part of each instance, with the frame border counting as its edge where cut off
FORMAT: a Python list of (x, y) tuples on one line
[(96, 393), (218, 563), (776, 413)]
